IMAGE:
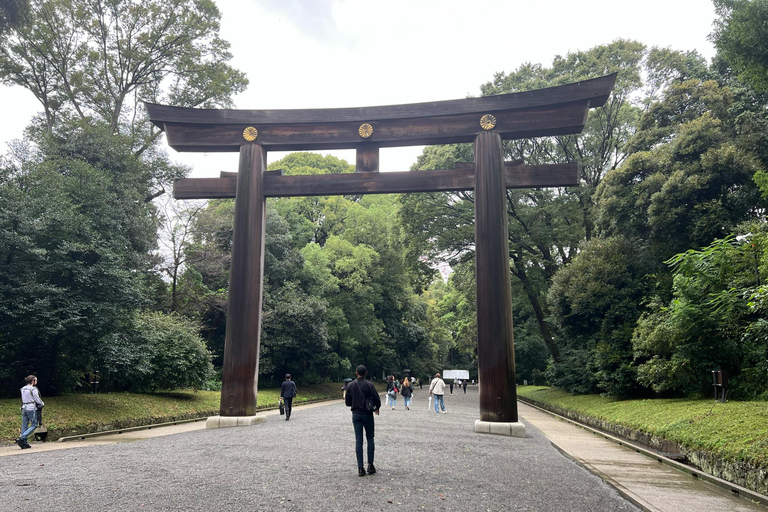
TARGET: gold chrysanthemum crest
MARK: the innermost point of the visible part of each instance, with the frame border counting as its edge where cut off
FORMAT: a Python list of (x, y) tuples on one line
[(488, 122), (250, 134), (365, 130)]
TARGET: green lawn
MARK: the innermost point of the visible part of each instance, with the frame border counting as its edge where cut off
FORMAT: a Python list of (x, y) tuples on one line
[(736, 431), (83, 413)]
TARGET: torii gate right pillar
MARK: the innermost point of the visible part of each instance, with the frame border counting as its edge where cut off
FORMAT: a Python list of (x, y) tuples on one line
[(495, 339)]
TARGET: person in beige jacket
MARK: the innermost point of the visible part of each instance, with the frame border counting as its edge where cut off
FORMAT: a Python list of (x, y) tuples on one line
[(437, 389)]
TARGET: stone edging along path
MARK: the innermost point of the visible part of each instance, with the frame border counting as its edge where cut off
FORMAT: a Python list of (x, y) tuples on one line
[(740, 473)]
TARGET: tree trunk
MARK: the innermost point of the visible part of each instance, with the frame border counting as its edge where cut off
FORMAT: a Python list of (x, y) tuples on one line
[(533, 298)]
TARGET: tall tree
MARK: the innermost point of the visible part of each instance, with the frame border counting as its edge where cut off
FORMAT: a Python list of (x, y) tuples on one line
[(689, 180), (76, 238), (99, 58), (12, 13), (741, 38), (95, 61), (176, 234), (90, 63)]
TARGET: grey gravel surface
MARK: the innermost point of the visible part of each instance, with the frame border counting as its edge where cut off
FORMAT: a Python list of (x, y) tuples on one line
[(425, 461)]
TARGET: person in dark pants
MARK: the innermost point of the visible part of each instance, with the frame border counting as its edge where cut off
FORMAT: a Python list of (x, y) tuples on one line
[(464, 385), (287, 392), (364, 401)]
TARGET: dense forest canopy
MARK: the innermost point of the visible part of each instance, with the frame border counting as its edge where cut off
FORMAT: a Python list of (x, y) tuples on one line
[(639, 282)]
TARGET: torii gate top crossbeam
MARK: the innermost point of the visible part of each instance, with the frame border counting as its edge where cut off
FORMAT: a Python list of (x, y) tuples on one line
[(553, 111)]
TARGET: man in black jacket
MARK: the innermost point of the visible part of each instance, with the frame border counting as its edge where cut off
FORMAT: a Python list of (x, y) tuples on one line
[(364, 400), (287, 392)]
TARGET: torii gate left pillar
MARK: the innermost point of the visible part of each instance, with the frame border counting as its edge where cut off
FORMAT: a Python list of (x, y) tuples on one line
[(246, 276)]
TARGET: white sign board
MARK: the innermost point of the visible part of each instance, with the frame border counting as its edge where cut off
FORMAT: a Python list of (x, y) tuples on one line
[(456, 374)]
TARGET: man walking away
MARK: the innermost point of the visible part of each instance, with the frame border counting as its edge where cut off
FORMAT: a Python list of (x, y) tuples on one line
[(364, 401), (30, 401), (437, 388), (287, 392), (464, 385)]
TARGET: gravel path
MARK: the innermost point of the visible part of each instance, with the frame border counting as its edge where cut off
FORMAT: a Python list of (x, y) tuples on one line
[(425, 461)]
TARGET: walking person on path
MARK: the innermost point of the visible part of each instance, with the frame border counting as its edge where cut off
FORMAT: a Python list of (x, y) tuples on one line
[(464, 385), (364, 401), (30, 401), (393, 387), (451, 385), (287, 392), (437, 388), (407, 392)]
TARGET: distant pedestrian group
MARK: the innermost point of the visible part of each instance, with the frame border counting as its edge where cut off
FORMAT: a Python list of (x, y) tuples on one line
[(394, 387)]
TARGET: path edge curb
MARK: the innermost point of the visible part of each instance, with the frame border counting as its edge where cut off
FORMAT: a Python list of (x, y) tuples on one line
[(695, 473)]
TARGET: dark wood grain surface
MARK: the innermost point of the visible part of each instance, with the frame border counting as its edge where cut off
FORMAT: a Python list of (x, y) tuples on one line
[(463, 178), (596, 91), (241, 346), (557, 119), (367, 158), (495, 339)]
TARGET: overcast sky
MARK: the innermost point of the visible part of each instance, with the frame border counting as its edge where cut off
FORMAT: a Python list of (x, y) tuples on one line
[(351, 53)]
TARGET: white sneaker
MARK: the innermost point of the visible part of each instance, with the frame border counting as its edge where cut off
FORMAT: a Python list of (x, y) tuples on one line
[(445, 412)]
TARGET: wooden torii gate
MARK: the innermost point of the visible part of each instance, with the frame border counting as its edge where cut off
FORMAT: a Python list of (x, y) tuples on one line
[(486, 121)]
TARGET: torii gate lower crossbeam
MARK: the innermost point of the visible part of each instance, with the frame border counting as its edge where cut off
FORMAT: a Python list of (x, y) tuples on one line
[(486, 121)]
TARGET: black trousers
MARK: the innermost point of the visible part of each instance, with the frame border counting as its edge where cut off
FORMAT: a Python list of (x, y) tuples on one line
[(360, 422), (288, 401)]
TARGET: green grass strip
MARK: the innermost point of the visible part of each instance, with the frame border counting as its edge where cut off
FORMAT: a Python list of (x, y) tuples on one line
[(735, 431), (75, 414)]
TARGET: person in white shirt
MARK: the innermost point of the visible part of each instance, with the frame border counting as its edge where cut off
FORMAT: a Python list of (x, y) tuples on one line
[(30, 401), (437, 389)]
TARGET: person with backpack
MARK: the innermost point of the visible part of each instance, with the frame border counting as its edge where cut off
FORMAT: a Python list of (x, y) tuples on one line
[(30, 401), (364, 401), (287, 392)]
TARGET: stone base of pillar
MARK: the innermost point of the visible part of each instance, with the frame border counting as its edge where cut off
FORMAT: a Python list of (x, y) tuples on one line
[(232, 421), (514, 429)]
